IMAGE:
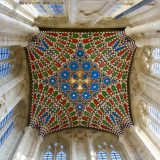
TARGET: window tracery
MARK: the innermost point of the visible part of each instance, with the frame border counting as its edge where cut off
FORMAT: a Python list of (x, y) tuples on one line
[(101, 155), (61, 155), (56, 8), (151, 117), (107, 151), (5, 65), (55, 151), (154, 120), (115, 155), (48, 156), (4, 53), (152, 60), (6, 133), (4, 121)]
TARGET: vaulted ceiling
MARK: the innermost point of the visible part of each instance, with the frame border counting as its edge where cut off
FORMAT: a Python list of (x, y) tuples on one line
[(80, 79)]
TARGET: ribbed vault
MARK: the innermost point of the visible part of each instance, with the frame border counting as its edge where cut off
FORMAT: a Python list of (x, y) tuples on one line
[(80, 79)]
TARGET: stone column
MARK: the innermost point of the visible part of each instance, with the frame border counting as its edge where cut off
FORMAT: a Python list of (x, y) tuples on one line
[(37, 147), (147, 41), (91, 150), (22, 150), (154, 151), (12, 26), (74, 154), (123, 140), (29, 146), (146, 27)]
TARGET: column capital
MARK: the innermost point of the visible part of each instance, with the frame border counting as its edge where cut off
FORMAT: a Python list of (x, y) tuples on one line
[(36, 30), (128, 30), (28, 129), (40, 138)]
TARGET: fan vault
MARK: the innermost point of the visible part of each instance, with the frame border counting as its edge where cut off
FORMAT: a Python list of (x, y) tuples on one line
[(80, 79)]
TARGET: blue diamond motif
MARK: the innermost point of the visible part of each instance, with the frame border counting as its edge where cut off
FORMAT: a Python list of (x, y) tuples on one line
[(65, 74), (107, 80), (73, 66), (95, 74), (52, 81), (79, 106), (94, 86), (85, 95), (73, 95), (80, 53), (65, 86), (86, 66)]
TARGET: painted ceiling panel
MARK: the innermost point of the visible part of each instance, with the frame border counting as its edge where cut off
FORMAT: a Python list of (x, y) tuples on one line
[(80, 79)]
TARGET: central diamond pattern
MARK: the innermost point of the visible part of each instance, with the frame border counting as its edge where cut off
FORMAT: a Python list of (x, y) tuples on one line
[(79, 79)]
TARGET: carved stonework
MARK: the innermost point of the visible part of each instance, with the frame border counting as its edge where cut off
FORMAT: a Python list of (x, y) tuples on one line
[(135, 87)]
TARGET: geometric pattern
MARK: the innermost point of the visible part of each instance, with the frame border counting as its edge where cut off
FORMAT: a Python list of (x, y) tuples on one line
[(80, 79)]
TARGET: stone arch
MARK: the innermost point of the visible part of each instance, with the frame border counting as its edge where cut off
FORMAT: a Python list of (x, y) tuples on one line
[(107, 143), (49, 142), (140, 112)]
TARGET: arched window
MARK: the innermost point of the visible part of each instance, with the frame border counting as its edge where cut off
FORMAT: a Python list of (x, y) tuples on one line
[(154, 113), (154, 120), (150, 118), (57, 149), (6, 133), (115, 155), (4, 53), (4, 121), (48, 156), (61, 156), (156, 53), (4, 69), (5, 66), (107, 151), (101, 155), (152, 60), (155, 68)]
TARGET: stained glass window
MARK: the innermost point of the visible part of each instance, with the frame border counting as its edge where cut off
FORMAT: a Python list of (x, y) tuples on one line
[(48, 156), (6, 134), (4, 69), (156, 68), (102, 155), (4, 53), (156, 53), (115, 155), (4, 121), (61, 156)]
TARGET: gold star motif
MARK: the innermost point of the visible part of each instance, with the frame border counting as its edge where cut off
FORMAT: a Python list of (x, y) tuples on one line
[(80, 80)]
